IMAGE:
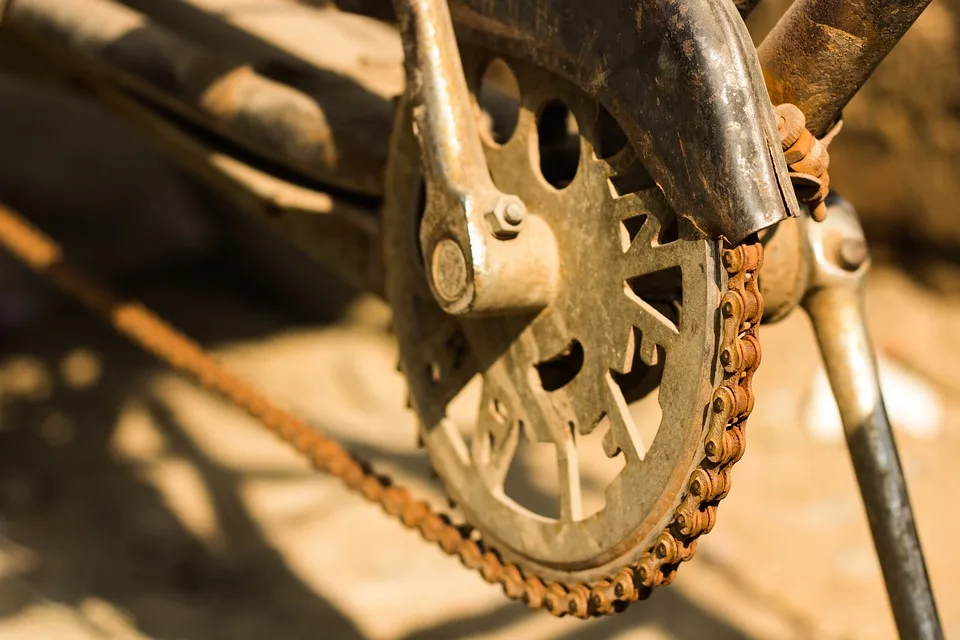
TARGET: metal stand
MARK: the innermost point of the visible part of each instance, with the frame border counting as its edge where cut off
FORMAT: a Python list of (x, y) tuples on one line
[(838, 261)]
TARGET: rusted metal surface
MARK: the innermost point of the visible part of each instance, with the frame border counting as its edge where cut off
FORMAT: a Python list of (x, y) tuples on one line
[(683, 80), (822, 51), (838, 262), (806, 157), (341, 143), (479, 263), (676, 544)]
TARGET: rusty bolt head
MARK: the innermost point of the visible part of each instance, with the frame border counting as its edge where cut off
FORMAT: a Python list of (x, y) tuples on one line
[(449, 270), (507, 217), (790, 123), (852, 253)]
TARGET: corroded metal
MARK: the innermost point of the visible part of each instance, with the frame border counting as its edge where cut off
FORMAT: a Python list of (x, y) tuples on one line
[(807, 158), (694, 516), (821, 52), (604, 241)]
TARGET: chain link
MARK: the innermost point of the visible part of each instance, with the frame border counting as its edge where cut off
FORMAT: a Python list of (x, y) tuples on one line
[(741, 308)]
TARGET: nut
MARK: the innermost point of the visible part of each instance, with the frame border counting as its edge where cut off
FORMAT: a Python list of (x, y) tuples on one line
[(507, 217)]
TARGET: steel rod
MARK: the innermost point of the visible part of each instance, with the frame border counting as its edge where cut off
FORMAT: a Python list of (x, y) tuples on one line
[(821, 52), (834, 302)]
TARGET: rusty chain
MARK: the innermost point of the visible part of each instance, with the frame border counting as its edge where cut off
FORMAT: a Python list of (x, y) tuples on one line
[(807, 158), (741, 309)]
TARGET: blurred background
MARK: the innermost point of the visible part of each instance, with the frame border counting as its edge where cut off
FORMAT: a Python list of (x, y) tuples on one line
[(135, 505)]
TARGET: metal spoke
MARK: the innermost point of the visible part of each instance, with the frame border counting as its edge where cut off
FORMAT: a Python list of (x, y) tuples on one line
[(642, 258), (571, 501), (623, 436), (655, 328)]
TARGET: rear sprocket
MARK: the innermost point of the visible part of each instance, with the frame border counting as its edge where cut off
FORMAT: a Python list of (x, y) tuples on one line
[(650, 339)]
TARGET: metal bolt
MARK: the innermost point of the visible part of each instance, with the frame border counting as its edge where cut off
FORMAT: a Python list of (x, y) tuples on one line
[(514, 213), (852, 253), (507, 217), (727, 309), (725, 357), (449, 269)]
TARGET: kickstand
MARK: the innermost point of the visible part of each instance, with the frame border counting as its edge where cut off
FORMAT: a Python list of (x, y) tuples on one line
[(838, 260)]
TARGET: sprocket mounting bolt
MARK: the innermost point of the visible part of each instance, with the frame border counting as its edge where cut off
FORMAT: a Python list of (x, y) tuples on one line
[(507, 217)]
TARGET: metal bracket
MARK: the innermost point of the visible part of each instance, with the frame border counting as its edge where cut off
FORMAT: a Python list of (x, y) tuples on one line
[(484, 252)]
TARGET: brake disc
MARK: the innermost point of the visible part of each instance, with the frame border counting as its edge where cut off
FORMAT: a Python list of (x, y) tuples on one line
[(636, 320)]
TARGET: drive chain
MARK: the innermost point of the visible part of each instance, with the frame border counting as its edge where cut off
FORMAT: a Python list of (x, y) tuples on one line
[(741, 308)]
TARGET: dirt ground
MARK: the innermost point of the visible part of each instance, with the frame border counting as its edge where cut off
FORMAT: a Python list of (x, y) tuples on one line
[(135, 505)]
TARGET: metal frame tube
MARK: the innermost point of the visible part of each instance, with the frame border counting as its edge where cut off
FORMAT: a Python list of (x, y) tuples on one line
[(821, 52)]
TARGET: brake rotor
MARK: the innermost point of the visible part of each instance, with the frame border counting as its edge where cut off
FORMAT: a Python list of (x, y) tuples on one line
[(636, 314)]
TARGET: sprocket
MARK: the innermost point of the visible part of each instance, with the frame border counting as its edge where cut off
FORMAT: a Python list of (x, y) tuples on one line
[(638, 309)]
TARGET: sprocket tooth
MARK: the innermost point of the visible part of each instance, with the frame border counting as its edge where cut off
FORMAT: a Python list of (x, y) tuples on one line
[(649, 352), (610, 446)]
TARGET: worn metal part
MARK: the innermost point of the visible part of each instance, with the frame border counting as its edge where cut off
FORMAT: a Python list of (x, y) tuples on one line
[(821, 52), (838, 261), (613, 332), (683, 80), (807, 158), (339, 143), (481, 262), (786, 274)]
